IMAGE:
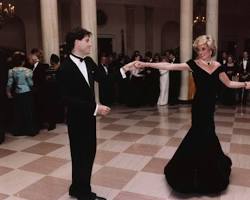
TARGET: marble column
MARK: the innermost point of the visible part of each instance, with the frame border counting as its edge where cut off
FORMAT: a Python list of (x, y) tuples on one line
[(89, 22), (49, 20), (186, 35), (212, 19)]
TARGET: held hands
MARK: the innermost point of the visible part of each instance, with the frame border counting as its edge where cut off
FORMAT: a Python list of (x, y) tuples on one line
[(103, 110), (132, 65), (129, 67)]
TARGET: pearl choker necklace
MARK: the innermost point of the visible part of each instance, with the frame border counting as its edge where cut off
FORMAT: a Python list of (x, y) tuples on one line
[(207, 62)]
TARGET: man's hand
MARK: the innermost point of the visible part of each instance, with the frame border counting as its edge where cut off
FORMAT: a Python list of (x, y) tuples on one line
[(129, 67), (139, 64), (103, 110)]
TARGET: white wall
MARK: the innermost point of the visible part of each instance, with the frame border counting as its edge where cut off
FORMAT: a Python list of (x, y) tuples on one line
[(163, 15), (115, 23)]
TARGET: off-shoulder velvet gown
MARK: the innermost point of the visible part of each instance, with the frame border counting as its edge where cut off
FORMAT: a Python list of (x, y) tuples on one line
[(199, 164)]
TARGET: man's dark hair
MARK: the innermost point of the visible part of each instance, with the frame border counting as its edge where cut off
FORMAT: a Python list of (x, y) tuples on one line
[(54, 59), (172, 52), (149, 54), (35, 51), (77, 33)]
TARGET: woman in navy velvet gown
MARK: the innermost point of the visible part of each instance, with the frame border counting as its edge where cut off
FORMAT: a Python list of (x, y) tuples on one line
[(199, 164)]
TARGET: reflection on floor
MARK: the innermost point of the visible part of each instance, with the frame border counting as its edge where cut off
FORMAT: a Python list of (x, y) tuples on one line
[(134, 145)]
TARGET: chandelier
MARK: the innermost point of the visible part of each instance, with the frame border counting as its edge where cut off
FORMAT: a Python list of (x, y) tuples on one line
[(7, 11), (200, 11), (199, 19)]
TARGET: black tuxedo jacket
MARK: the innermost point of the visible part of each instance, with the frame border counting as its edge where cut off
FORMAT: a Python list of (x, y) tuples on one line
[(39, 75), (103, 70), (244, 74), (77, 94), (79, 98)]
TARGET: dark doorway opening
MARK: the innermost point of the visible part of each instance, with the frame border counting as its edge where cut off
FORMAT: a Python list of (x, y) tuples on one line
[(105, 46)]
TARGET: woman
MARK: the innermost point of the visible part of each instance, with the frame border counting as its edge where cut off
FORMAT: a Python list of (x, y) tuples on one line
[(164, 85), (20, 81), (136, 84), (199, 164)]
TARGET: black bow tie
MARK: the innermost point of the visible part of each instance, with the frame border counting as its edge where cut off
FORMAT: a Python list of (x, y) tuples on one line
[(80, 58)]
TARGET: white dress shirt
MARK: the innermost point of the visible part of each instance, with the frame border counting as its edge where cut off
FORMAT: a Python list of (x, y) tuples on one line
[(83, 69), (81, 66), (105, 68), (244, 64), (35, 65)]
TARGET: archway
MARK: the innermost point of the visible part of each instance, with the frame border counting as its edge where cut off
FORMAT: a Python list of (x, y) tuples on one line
[(12, 35)]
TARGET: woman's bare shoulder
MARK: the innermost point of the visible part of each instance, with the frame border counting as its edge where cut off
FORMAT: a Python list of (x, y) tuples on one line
[(216, 63)]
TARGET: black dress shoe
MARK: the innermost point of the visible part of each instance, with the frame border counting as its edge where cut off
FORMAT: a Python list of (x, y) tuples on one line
[(96, 198), (78, 197), (51, 127)]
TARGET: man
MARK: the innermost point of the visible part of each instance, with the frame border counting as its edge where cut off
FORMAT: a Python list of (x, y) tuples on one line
[(76, 78), (223, 58), (53, 109), (151, 82), (39, 92), (174, 81), (106, 89), (244, 75)]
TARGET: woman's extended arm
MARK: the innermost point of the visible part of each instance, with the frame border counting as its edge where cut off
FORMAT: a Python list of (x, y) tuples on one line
[(233, 84), (163, 65)]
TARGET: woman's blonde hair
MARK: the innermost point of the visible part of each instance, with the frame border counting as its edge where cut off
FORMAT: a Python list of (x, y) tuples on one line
[(205, 39)]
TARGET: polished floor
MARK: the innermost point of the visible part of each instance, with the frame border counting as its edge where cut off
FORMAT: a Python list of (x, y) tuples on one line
[(134, 145)]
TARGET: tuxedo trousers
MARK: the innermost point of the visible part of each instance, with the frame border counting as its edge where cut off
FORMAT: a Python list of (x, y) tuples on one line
[(82, 137)]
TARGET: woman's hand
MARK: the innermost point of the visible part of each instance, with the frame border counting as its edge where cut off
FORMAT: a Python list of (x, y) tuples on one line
[(129, 67), (9, 95), (247, 85)]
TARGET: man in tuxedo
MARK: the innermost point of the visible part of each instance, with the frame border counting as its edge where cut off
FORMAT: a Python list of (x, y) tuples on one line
[(151, 82), (76, 78), (244, 75), (39, 91), (106, 89), (223, 58), (174, 81)]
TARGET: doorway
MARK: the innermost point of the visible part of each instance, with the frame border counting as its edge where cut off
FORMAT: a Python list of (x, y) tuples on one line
[(105, 46)]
